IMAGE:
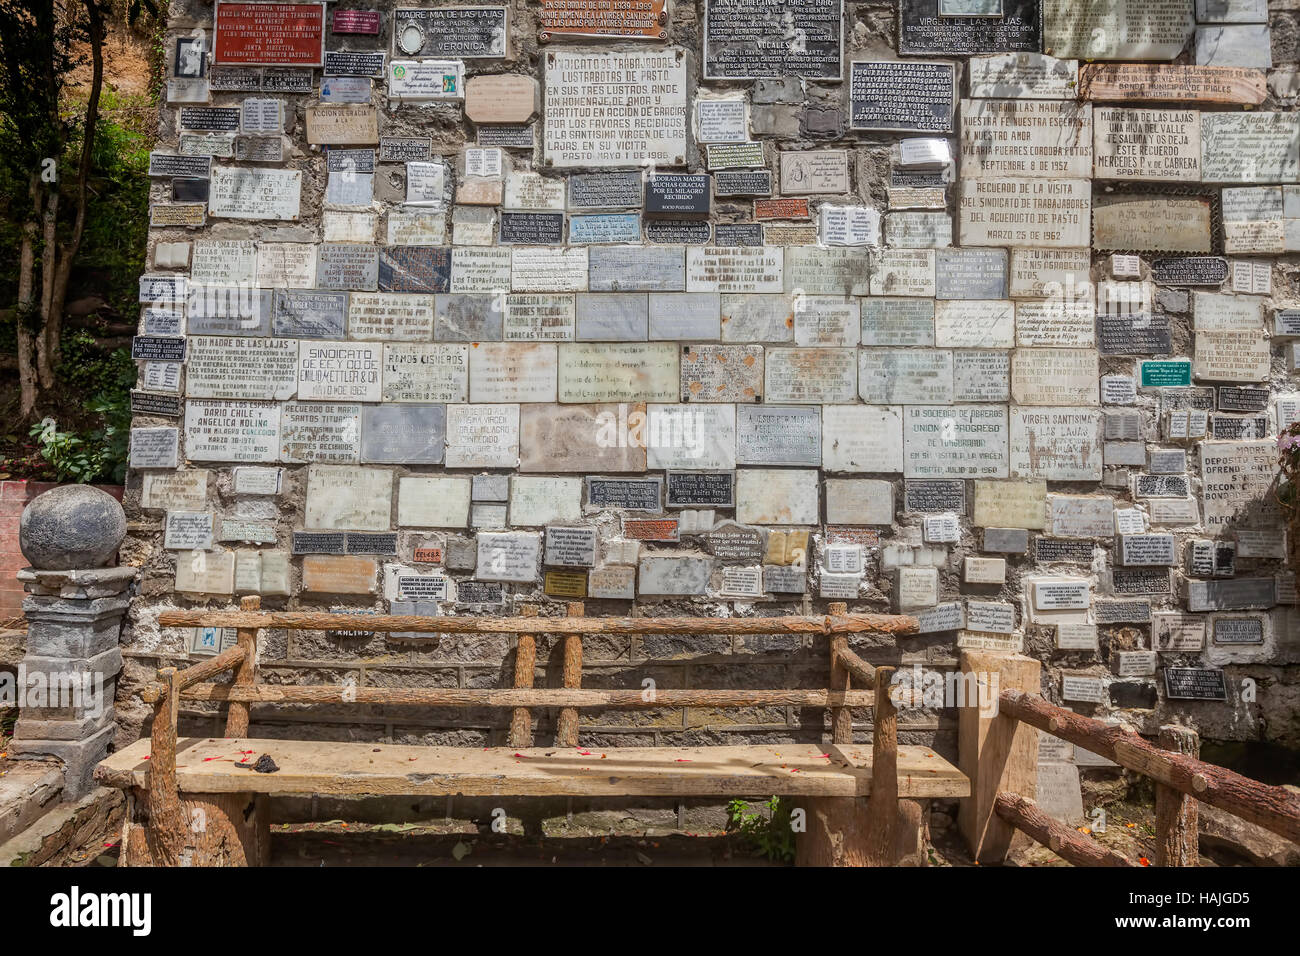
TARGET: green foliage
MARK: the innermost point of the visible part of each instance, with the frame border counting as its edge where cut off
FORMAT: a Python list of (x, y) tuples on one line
[(112, 253), (98, 453), (766, 829)]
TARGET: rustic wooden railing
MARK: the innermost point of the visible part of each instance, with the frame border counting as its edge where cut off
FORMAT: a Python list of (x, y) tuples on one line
[(1181, 780), (878, 838), (998, 746)]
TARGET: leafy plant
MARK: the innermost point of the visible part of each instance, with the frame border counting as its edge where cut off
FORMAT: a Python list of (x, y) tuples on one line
[(766, 827), (98, 455)]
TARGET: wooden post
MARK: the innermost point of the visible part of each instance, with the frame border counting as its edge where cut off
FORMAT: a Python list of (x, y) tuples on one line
[(166, 821), (996, 751), (841, 717), (1176, 814), (566, 727), (1067, 843), (836, 832), (246, 672), (521, 720), (882, 806)]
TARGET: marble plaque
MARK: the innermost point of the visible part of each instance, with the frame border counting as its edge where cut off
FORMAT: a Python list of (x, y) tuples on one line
[(320, 432), (154, 447), (771, 435), (482, 436), (735, 270), (233, 431), (1250, 147), (1023, 76), (904, 272), (976, 323), (1161, 145), (1059, 444), (814, 172), (537, 317), (618, 373), (965, 441), (252, 193), (545, 269), (1054, 376), (1117, 29), (422, 372), (582, 438), (347, 498), (1026, 138), (615, 109), (905, 376), (513, 372), (812, 376), (1010, 211), (390, 316), (228, 367), (339, 371), (786, 496), (691, 437), (1165, 224), (403, 434)]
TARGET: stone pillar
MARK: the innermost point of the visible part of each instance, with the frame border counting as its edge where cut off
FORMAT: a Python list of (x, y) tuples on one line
[(68, 679)]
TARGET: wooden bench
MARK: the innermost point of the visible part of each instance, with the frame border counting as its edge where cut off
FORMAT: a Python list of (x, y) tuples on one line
[(862, 803)]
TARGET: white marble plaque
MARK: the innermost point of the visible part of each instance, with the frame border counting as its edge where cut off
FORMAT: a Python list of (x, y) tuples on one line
[(1059, 444), (1006, 211), (426, 372), (964, 441), (1026, 138), (217, 430), (615, 109), (513, 372), (254, 193), (340, 371)]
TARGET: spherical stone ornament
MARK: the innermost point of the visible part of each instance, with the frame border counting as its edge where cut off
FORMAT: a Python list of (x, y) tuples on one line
[(70, 527)]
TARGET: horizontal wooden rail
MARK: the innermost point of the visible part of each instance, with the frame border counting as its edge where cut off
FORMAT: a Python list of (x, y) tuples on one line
[(310, 621), (1273, 808), (525, 697), (1069, 844)]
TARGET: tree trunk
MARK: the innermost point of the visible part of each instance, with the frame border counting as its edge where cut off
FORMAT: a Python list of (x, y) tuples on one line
[(27, 379), (62, 262)]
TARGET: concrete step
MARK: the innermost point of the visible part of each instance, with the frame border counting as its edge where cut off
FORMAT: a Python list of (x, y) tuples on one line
[(71, 834), (28, 790)]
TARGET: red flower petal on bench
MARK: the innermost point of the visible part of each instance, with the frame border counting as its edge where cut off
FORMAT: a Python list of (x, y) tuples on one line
[(522, 756), (684, 760)]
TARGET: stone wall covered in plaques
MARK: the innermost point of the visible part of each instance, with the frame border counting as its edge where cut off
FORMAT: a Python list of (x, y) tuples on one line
[(721, 307)]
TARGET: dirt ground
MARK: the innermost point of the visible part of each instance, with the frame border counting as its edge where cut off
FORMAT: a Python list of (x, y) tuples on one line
[(336, 843)]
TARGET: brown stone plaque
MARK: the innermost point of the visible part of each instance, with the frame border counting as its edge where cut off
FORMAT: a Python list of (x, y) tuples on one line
[(781, 209), (501, 98), (1160, 83), (1152, 224), (629, 19)]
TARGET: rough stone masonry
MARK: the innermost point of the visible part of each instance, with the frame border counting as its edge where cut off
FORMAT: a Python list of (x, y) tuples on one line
[(982, 310)]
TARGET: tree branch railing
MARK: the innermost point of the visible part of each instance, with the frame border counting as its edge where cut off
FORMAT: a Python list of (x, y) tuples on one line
[(1276, 809)]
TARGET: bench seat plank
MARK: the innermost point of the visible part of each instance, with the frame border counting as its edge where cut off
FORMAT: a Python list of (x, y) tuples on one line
[(207, 765)]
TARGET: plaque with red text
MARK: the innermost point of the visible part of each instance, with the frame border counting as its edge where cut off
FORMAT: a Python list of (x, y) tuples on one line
[(629, 19), (269, 34)]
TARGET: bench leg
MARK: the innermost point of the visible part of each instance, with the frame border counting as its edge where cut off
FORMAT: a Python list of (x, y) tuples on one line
[(837, 833), (223, 829)]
